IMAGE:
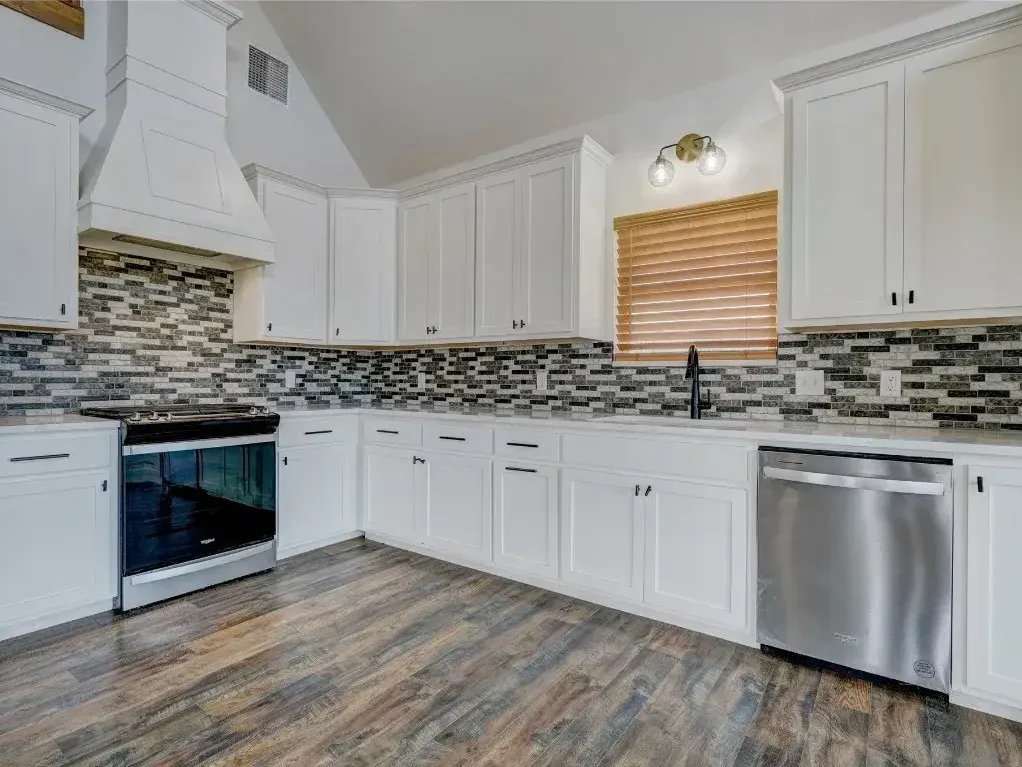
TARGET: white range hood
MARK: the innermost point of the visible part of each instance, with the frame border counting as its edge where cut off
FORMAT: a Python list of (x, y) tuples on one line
[(161, 181)]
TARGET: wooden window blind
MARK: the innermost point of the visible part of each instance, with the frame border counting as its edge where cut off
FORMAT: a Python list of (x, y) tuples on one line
[(704, 275)]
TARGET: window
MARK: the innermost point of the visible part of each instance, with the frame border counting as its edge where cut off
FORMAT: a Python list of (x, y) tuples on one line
[(704, 275)]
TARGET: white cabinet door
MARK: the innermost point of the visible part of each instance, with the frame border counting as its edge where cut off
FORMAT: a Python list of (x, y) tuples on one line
[(601, 532), (315, 500), (697, 551), (416, 236), (452, 283), (457, 505), (543, 299), (38, 232), (525, 517), (296, 284), (846, 196), (994, 663), (362, 262), (389, 492), (498, 230), (57, 550), (963, 166)]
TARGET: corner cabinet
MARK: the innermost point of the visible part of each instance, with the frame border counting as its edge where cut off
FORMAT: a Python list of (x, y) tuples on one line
[(38, 195), (286, 301), (901, 181)]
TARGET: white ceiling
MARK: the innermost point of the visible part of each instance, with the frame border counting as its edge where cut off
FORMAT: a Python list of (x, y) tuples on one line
[(413, 87)]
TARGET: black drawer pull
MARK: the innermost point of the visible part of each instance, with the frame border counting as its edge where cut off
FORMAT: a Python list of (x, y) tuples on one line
[(979, 484), (894, 299), (321, 431), (50, 457), (524, 471), (911, 296), (453, 439), (522, 444), (387, 431)]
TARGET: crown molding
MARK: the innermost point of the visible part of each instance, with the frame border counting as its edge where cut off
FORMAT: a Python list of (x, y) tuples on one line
[(44, 99), (255, 170), (585, 144), (218, 11), (910, 46), (361, 193)]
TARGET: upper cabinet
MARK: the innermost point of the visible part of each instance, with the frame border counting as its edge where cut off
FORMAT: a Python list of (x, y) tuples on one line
[(286, 301), (902, 191), (362, 263), (38, 195)]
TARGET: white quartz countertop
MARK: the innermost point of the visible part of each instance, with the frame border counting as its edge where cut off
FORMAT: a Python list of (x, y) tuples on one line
[(20, 424), (780, 433)]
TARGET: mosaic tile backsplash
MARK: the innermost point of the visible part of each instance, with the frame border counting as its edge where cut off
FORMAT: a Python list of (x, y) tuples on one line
[(158, 332)]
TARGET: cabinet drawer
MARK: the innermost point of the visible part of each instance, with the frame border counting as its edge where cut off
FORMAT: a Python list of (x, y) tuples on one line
[(698, 460), (529, 444), (390, 431), (314, 430), (26, 456), (467, 439)]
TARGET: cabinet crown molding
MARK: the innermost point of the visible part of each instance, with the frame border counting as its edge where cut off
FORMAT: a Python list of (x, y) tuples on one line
[(45, 99), (254, 171), (219, 11), (902, 49), (585, 144)]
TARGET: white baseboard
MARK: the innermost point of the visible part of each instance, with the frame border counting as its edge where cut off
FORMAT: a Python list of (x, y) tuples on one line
[(571, 590), (987, 706), (28, 625), (301, 548)]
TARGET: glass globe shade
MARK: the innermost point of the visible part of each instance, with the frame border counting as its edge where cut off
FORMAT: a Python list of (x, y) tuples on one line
[(712, 160), (660, 172)]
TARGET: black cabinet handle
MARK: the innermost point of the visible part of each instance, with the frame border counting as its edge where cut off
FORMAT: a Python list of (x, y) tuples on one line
[(911, 296), (104, 485), (514, 324), (269, 326), (648, 488), (979, 484), (285, 460), (434, 330), (524, 471), (894, 299), (321, 431), (521, 323), (387, 431), (63, 308), (50, 457), (522, 444), (337, 332), (637, 488), (453, 439), (416, 459)]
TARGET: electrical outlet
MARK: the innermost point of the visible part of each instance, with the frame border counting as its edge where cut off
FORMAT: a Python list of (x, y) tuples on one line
[(809, 382), (290, 379), (540, 379), (422, 380), (890, 383)]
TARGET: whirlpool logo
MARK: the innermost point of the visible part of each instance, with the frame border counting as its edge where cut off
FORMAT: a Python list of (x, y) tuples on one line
[(846, 638)]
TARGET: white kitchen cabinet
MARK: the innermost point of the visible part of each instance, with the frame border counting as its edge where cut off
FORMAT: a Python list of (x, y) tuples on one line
[(363, 257), (696, 553), (525, 506), (962, 206), (847, 147), (601, 532), (994, 617), (498, 234), (38, 195), (456, 510), (57, 548), (436, 246), (389, 492), (316, 497), (287, 300)]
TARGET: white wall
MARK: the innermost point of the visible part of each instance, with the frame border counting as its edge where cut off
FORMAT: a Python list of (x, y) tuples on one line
[(298, 139)]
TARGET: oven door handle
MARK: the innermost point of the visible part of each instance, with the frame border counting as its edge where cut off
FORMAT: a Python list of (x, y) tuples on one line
[(855, 483), (197, 566), (197, 444)]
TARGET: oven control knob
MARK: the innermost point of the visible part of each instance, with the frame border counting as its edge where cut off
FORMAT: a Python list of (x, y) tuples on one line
[(256, 410), (154, 416), (135, 417)]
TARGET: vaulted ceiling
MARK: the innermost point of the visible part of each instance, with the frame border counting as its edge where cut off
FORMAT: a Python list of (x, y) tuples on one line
[(412, 87)]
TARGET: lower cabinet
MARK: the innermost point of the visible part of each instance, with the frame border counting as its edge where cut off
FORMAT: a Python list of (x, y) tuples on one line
[(316, 497), (994, 618), (696, 557), (388, 491), (456, 505), (601, 532), (57, 551), (525, 506)]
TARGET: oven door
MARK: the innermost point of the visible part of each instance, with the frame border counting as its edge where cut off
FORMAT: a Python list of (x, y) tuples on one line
[(184, 501)]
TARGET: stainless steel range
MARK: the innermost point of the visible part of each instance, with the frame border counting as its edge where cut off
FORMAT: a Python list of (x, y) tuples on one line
[(198, 497)]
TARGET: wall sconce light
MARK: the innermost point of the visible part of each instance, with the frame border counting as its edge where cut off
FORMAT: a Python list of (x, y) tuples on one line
[(710, 158)]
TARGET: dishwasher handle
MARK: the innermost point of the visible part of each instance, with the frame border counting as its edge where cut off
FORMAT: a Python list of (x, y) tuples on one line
[(908, 487)]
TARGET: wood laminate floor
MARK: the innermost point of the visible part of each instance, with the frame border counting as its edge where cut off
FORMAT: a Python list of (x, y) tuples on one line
[(361, 654)]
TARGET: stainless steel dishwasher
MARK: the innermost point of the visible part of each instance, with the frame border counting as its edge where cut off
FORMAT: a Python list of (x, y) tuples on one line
[(855, 561)]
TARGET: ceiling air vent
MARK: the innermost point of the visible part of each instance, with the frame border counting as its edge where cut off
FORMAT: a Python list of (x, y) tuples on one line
[(267, 74)]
